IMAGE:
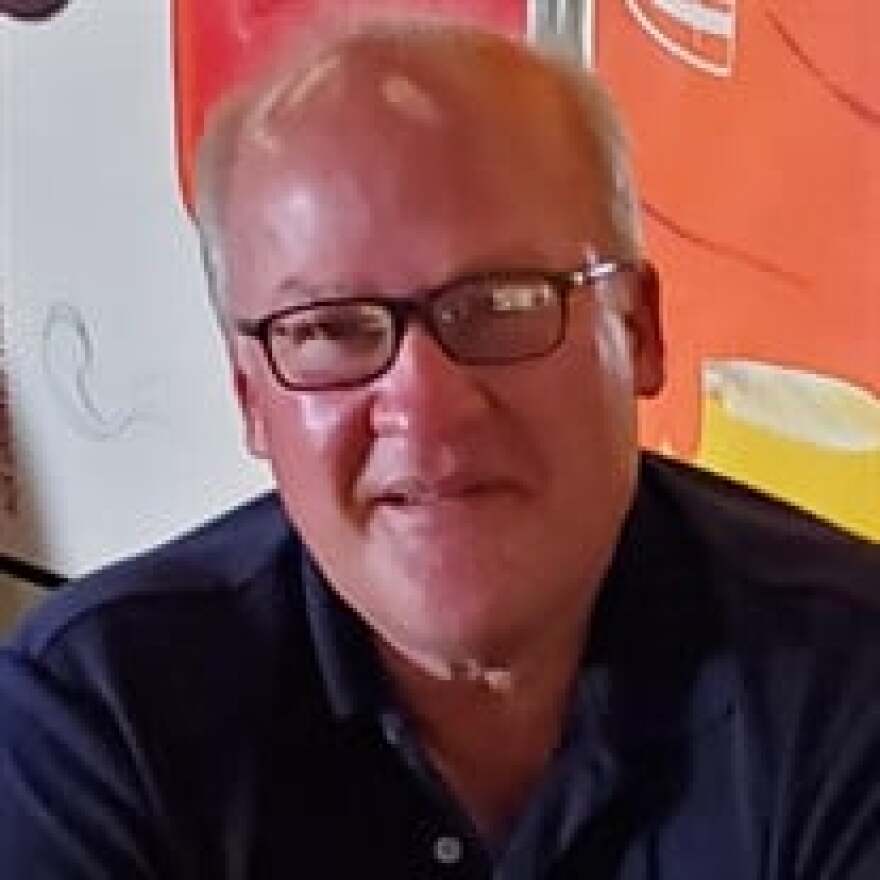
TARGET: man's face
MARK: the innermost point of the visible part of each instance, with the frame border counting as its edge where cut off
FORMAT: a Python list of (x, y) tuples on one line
[(459, 509)]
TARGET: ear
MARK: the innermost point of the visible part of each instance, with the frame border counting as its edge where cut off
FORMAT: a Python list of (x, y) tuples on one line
[(251, 411), (646, 333)]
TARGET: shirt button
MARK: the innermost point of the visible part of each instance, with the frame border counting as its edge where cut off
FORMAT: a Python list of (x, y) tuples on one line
[(448, 850)]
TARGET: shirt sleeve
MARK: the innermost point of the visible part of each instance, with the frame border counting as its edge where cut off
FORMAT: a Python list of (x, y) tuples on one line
[(70, 803)]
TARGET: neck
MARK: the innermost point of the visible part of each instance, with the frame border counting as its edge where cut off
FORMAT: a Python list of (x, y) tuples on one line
[(490, 730)]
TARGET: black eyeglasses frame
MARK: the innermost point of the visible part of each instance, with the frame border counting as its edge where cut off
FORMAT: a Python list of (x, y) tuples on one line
[(419, 305)]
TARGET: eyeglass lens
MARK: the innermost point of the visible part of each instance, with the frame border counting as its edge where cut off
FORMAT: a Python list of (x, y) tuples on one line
[(332, 343), (499, 321)]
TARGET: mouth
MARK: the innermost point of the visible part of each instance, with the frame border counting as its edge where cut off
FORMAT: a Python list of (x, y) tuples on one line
[(413, 493)]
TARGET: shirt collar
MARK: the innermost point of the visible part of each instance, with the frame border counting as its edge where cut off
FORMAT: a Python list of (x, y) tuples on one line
[(348, 663)]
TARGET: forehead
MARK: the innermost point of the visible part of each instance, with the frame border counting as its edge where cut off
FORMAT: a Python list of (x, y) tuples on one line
[(378, 159)]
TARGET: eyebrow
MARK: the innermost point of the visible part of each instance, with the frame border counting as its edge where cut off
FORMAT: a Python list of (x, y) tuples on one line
[(302, 290), (528, 260)]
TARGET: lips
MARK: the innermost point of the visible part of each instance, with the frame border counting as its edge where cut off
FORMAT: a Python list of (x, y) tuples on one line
[(414, 491)]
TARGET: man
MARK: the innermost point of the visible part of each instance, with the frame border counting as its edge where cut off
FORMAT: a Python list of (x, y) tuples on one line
[(485, 640)]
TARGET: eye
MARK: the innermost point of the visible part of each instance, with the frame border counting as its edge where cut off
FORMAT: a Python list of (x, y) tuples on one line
[(307, 329), (346, 328)]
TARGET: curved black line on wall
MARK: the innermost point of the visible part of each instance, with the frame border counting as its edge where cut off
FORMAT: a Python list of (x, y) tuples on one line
[(68, 363), (854, 104), (723, 250), (32, 10)]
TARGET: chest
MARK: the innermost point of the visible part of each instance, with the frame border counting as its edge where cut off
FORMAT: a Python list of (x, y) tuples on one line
[(349, 806)]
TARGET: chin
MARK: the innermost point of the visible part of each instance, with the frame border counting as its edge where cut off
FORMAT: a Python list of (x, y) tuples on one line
[(486, 635)]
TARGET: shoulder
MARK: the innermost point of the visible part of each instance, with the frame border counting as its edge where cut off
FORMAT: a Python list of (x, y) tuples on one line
[(772, 549), (796, 599), (134, 698), (220, 565), (787, 620), (209, 630)]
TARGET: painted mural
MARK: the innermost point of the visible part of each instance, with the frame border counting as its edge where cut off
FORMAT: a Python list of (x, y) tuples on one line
[(756, 130)]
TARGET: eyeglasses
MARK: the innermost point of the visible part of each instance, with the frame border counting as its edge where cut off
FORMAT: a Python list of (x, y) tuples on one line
[(486, 319)]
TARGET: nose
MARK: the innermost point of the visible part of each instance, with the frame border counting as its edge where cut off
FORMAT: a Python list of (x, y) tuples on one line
[(424, 393)]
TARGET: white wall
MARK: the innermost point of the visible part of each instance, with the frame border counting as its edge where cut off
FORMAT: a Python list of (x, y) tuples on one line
[(123, 424)]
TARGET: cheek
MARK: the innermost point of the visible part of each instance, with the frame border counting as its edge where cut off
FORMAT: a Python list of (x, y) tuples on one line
[(317, 445), (594, 407)]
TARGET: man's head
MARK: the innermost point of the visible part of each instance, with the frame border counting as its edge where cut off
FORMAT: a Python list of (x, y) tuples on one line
[(459, 507)]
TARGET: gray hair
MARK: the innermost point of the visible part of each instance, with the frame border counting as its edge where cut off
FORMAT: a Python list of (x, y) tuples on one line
[(243, 108)]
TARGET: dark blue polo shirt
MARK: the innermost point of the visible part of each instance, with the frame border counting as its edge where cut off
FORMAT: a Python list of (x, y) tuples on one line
[(211, 710)]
